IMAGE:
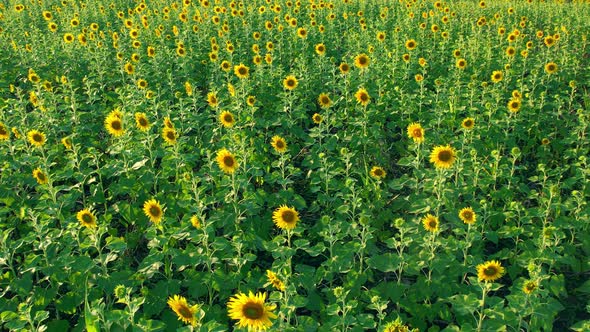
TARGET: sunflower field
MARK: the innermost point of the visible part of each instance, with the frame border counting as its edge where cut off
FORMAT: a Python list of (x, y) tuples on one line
[(294, 165)]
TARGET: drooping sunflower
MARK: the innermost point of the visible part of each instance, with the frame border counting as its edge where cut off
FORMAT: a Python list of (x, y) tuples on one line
[(40, 176), (362, 61), (290, 83), (377, 172), (285, 217), (183, 310), (67, 143), (467, 215), (226, 161), (317, 118), (514, 105), (4, 133), (529, 287), (430, 223), (86, 218), (279, 144), (497, 76), (324, 100), (227, 119), (416, 132), (114, 125), (153, 210), (275, 281), (36, 138), (251, 311), (468, 123), (489, 271), (241, 71), (169, 135), (442, 156), (551, 68), (362, 97)]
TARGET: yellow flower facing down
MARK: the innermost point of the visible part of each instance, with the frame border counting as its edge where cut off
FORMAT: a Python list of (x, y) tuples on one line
[(443, 156), (285, 217), (86, 218), (489, 271), (430, 223), (226, 161), (36, 138), (251, 311), (416, 132), (153, 210), (185, 312), (279, 144), (275, 281), (467, 215), (40, 176), (377, 172)]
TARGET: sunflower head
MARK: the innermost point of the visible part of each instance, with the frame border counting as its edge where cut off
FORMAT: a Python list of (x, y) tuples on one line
[(185, 312), (529, 287), (317, 118), (153, 210), (362, 97), (467, 215), (86, 218), (40, 176), (497, 76), (362, 61), (169, 135), (212, 99), (227, 119), (226, 161), (275, 281), (411, 44), (114, 125), (241, 71), (36, 138), (461, 63), (416, 132), (344, 68), (468, 123), (142, 122), (285, 217), (551, 68), (251, 311), (377, 172), (290, 83), (430, 223), (4, 133), (320, 49), (514, 105), (324, 100), (489, 271), (443, 156), (279, 144)]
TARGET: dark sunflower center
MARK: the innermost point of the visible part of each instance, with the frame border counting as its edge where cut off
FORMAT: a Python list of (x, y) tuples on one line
[(468, 123), (37, 138), (417, 133), (116, 125), (228, 118), (345, 68), (41, 176), (530, 286), (364, 97), (242, 71), (155, 211), (170, 135), (280, 144), (142, 122), (362, 60), (253, 311), (87, 218), (378, 172), (490, 271), (185, 312), (290, 83), (228, 161), (467, 215), (410, 45), (461, 63), (225, 65), (317, 118), (497, 76), (3, 131), (551, 67), (432, 223), (321, 49), (445, 156), (288, 216), (325, 100), (514, 104)]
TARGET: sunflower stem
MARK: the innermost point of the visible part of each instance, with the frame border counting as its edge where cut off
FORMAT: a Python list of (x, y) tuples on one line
[(481, 313)]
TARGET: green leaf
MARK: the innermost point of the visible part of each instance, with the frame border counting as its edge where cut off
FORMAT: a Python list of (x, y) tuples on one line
[(385, 263)]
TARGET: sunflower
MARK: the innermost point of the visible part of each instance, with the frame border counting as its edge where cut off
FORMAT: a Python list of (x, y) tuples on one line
[(227, 119), (551, 68), (514, 105), (40, 176), (241, 71), (226, 161), (467, 215), (468, 123), (142, 84), (68, 38), (153, 210), (442, 156), (114, 125), (317, 118), (251, 101), (290, 82), (380, 36), (129, 68), (529, 287), (489, 271), (279, 144), (251, 311), (169, 135), (36, 138), (419, 78), (411, 44), (195, 221), (212, 99), (362, 97), (141, 121), (4, 133), (549, 41), (324, 100), (510, 51), (430, 223), (320, 49), (274, 280), (285, 217), (406, 58), (67, 143), (497, 76), (301, 33), (362, 61), (416, 132), (461, 63), (377, 172), (344, 68), (168, 123), (86, 218), (182, 309)]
